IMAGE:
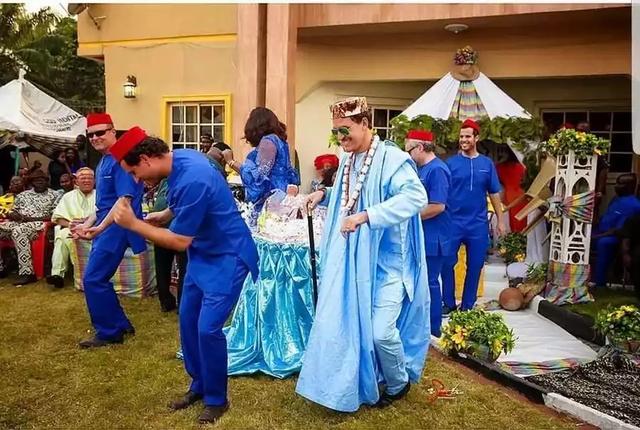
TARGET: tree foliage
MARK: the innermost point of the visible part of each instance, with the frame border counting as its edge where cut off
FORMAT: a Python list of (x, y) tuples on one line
[(45, 46)]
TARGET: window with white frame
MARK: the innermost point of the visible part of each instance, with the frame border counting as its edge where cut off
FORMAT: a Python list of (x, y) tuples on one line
[(381, 118), (612, 125), (189, 121)]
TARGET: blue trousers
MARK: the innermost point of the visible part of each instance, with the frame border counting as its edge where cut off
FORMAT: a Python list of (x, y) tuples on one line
[(434, 267), (476, 240), (107, 316), (606, 248), (203, 312), (387, 306)]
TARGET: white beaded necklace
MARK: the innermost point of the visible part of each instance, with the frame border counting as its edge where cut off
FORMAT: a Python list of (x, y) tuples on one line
[(348, 202)]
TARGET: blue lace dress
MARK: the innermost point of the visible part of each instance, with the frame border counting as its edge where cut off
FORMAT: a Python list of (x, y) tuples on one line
[(267, 168)]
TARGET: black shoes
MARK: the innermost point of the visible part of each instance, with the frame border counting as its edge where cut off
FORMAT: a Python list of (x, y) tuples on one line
[(387, 399), (95, 342), (4, 274), (56, 281), (185, 401), (446, 310), (25, 279), (211, 414)]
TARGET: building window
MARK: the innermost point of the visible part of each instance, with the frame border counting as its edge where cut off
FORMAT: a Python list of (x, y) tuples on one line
[(615, 126), (381, 119), (189, 121)]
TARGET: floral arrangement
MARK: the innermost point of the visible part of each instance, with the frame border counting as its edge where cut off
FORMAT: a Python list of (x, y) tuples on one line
[(621, 325), (465, 56), (512, 247), (581, 143), (537, 273), (478, 333)]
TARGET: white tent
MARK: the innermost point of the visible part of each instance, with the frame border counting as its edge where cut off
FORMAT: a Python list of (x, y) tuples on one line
[(37, 118), (439, 100)]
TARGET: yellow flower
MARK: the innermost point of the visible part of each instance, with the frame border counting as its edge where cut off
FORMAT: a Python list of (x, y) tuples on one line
[(496, 347), (597, 151), (520, 258), (459, 336), (502, 250)]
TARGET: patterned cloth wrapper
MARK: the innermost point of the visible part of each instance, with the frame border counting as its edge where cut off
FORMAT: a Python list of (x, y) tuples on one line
[(541, 367), (568, 284), (136, 276), (272, 320), (467, 103)]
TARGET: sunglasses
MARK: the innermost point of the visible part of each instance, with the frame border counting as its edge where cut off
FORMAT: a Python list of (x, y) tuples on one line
[(98, 133), (340, 130)]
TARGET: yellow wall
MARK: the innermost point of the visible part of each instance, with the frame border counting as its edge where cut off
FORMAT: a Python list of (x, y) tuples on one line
[(519, 52), (170, 70), (143, 24)]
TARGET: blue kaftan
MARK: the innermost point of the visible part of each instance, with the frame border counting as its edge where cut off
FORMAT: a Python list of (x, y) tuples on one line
[(341, 367)]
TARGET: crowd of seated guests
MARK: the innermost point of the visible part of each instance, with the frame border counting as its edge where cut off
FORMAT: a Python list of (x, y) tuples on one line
[(25, 220)]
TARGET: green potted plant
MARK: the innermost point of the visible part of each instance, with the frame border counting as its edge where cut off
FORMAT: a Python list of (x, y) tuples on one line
[(621, 325), (513, 247), (581, 143), (481, 334)]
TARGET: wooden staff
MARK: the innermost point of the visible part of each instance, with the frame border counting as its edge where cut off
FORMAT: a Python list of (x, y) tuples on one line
[(312, 256)]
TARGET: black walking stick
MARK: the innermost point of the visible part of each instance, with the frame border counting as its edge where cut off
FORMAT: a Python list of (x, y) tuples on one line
[(312, 256)]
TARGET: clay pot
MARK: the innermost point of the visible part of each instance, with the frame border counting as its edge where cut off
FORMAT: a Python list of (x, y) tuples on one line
[(511, 299)]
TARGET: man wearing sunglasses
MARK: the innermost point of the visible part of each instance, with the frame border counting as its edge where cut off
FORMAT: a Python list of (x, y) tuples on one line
[(372, 316), (111, 241)]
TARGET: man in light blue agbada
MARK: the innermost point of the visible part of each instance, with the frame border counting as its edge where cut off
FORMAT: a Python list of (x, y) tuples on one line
[(372, 318)]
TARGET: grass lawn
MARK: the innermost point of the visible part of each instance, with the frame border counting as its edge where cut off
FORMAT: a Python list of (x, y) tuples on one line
[(603, 298), (47, 382)]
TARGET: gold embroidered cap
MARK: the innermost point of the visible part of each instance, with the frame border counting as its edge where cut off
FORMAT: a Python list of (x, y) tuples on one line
[(349, 107)]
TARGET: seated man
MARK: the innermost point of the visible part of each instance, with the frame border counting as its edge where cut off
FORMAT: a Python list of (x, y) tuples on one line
[(630, 236), (16, 186), (606, 242), (74, 207), (26, 220)]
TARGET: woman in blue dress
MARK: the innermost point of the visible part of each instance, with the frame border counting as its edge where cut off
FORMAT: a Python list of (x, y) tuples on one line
[(268, 166)]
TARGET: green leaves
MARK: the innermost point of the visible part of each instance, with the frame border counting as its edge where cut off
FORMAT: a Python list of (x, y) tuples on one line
[(45, 45), (619, 324), (478, 333), (581, 143), (521, 132)]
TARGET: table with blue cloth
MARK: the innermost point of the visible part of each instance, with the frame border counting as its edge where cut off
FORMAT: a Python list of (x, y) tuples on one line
[(272, 320)]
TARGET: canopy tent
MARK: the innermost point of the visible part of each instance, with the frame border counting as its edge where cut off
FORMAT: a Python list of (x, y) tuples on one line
[(28, 115), (450, 97)]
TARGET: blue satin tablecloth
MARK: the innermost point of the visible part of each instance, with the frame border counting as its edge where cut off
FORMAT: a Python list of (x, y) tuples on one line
[(272, 320)]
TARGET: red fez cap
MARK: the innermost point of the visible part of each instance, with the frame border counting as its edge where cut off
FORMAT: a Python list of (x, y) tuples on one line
[(469, 123), (321, 160), (98, 118), (127, 142), (423, 135)]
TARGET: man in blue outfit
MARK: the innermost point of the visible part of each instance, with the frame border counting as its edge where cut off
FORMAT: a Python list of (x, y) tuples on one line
[(436, 222), (473, 176), (621, 208), (203, 220), (372, 316), (111, 241)]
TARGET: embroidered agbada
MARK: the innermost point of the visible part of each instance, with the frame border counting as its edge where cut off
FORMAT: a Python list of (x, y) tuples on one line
[(383, 259)]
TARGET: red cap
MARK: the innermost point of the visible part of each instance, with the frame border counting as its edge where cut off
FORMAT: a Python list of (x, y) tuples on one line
[(568, 125), (98, 118), (423, 135), (469, 123), (127, 142), (321, 160)]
